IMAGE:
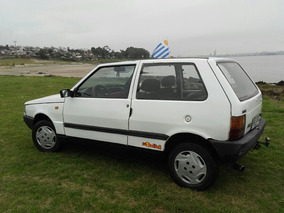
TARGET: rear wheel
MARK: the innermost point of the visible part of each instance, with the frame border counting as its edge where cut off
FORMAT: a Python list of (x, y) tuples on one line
[(44, 137), (192, 166)]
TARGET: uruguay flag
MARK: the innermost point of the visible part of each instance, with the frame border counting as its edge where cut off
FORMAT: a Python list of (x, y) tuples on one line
[(162, 50)]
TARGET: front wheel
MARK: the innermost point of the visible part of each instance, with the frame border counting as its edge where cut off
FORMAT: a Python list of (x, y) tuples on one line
[(192, 166), (44, 137)]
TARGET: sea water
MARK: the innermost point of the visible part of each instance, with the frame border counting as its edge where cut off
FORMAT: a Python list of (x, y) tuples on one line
[(267, 68)]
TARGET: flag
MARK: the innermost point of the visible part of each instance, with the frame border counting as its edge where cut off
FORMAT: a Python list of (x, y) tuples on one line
[(162, 50)]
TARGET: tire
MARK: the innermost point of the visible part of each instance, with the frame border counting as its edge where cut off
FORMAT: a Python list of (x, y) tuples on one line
[(44, 137), (192, 166)]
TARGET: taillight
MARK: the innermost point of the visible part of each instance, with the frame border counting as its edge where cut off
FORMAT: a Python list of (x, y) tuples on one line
[(237, 129)]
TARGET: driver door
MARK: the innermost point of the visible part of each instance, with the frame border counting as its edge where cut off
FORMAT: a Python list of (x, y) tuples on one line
[(100, 107)]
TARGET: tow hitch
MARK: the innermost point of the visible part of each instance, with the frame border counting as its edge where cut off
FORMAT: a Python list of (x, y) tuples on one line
[(258, 143), (241, 168)]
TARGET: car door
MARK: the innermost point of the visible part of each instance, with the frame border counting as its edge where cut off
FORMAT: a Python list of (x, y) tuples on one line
[(100, 107), (168, 100)]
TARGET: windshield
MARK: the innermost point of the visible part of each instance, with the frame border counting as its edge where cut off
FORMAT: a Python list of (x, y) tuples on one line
[(239, 80)]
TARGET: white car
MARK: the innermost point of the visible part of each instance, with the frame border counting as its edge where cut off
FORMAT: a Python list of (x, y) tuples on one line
[(200, 111)]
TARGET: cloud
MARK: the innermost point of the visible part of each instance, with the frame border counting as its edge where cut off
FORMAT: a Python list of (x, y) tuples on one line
[(192, 27)]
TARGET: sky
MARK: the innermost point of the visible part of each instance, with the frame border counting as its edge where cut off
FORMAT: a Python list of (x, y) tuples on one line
[(192, 27)]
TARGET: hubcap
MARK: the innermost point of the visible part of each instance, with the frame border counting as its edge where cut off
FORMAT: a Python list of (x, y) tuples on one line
[(46, 137), (190, 167)]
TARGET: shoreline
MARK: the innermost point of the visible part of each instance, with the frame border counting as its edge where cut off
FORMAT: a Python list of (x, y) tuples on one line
[(62, 70), (81, 70)]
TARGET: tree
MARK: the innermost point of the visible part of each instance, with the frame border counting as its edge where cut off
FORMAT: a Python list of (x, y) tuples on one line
[(43, 53), (136, 53), (103, 52), (280, 83), (131, 53)]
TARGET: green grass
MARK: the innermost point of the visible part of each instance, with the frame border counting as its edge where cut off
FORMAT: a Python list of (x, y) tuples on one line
[(87, 177)]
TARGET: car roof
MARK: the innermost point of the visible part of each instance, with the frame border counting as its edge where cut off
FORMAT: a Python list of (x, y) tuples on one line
[(168, 60)]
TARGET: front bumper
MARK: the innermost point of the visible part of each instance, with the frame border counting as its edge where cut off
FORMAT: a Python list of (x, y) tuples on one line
[(29, 121), (231, 151)]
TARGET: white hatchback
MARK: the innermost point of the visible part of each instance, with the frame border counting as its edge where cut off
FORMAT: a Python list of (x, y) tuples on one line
[(200, 111)]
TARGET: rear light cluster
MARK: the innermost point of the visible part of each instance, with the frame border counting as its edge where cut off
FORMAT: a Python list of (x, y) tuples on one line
[(237, 129)]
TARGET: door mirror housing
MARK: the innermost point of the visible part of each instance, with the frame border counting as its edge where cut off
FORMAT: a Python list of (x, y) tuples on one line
[(66, 93)]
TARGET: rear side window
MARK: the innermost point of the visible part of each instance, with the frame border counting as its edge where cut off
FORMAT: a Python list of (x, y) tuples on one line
[(173, 81), (242, 85)]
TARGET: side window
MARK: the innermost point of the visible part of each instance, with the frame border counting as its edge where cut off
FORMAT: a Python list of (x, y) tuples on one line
[(193, 87), (158, 82), (107, 82), (175, 81)]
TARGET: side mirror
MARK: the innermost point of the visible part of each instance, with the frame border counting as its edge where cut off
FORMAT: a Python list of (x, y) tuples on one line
[(66, 93)]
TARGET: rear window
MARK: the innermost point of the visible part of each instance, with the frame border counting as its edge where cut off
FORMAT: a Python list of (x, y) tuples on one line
[(239, 80)]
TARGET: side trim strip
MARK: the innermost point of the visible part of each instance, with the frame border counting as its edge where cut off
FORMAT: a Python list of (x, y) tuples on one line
[(96, 128), (148, 135), (118, 131)]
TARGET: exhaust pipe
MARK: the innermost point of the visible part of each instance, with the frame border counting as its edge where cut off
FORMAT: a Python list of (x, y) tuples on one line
[(238, 167)]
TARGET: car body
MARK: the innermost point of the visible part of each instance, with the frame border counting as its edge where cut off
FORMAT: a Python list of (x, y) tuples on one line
[(200, 111)]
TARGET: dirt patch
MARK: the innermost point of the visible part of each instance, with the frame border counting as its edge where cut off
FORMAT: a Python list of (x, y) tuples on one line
[(74, 70)]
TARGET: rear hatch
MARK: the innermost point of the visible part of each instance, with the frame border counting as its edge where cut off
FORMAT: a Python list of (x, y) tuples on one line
[(244, 95)]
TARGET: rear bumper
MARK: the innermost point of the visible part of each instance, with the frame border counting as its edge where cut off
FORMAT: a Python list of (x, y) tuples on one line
[(231, 151)]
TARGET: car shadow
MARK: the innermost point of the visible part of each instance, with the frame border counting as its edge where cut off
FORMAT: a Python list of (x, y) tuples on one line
[(120, 153)]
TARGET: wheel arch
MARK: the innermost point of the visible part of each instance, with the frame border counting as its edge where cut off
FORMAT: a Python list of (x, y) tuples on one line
[(179, 138), (40, 117)]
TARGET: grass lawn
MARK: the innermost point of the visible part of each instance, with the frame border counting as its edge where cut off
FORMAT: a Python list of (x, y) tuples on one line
[(87, 177)]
